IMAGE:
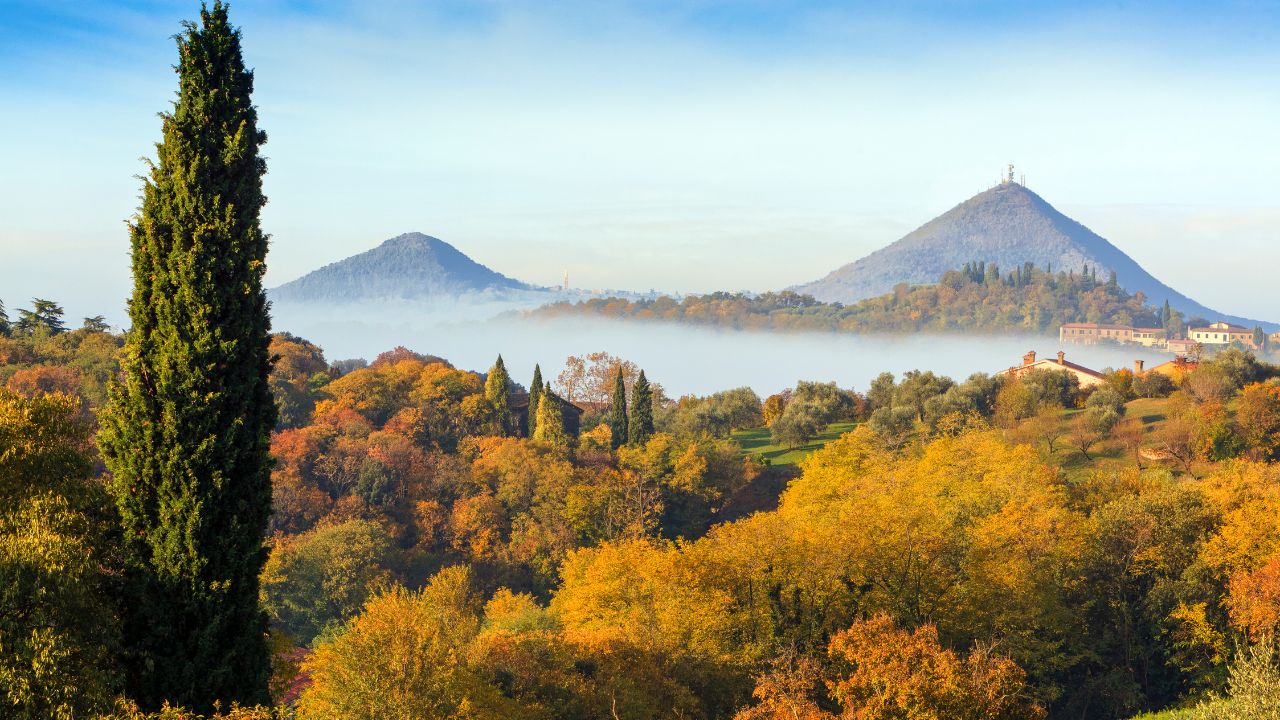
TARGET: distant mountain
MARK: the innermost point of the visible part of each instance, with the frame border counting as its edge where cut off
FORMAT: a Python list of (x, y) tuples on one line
[(1008, 225), (409, 266)]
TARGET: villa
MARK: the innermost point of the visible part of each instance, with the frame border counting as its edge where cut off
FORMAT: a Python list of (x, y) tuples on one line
[(1086, 376)]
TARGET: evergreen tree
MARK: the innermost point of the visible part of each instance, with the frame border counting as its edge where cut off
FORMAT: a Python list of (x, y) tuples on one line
[(551, 420), (43, 315), (497, 390), (97, 323), (187, 433), (641, 411), (617, 419), (536, 389), (5, 328)]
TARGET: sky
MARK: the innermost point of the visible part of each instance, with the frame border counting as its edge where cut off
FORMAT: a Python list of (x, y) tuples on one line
[(681, 146)]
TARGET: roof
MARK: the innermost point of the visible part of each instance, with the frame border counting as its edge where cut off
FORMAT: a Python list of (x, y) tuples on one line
[(1064, 365), (1233, 329), (1148, 330), (1096, 326)]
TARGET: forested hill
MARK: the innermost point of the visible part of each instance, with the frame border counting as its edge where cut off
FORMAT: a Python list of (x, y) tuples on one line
[(1007, 224), (978, 296)]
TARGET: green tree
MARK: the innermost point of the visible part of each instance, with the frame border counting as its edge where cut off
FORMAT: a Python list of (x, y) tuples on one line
[(497, 390), (5, 328), (97, 323), (43, 315), (617, 419), (322, 578), (57, 626), (187, 433), (551, 420), (640, 425), (536, 389)]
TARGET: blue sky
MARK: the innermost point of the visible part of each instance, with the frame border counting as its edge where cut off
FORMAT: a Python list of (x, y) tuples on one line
[(687, 146)]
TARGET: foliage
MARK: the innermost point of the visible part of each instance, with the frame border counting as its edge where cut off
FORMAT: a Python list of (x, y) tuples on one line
[(403, 658), (58, 631), (640, 423), (714, 416), (322, 577), (497, 390), (617, 416), (188, 430), (899, 674)]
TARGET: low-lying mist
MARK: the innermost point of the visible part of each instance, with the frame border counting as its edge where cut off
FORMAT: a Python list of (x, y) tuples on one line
[(683, 358)]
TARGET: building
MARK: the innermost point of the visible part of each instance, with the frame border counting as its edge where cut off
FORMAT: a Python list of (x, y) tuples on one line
[(1094, 333), (1222, 333), (1175, 369), (1086, 377), (1149, 337), (1185, 347)]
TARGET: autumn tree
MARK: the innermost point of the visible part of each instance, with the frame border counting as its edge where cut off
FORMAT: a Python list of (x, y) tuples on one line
[(640, 424), (497, 390), (404, 657), (907, 674), (1258, 415), (58, 632), (617, 418), (187, 434)]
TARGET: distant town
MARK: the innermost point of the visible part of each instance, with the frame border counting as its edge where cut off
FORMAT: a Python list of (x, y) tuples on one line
[(1194, 342)]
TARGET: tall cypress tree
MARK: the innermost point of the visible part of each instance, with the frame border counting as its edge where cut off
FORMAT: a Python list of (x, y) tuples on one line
[(5, 329), (617, 419), (497, 390), (187, 434), (536, 388), (641, 411)]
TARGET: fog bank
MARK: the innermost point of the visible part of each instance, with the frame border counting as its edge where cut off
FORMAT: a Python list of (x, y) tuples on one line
[(683, 358)]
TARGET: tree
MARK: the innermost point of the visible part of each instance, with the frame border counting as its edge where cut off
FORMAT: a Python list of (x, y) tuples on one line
[(5, 328), (405, 657), (187, 433), (57, 627), (497, 390), (551, 420), (617, 419), (322, 578), (900, 674), (536, 389), (97, 323), (1258, 415), (44, 315), (640, 424)]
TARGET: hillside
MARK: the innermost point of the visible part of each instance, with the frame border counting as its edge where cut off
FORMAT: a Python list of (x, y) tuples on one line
[(1008, 225), (975, 298), (408, 266)]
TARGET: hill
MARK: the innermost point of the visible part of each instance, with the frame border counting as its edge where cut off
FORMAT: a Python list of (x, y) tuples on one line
[(977, 297), (408, 266), (1007, 225)]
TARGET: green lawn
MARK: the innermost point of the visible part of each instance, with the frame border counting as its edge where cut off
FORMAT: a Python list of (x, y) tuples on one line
[(757, 442)]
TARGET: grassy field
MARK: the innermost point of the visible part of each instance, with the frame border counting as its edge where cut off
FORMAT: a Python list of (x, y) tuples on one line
[(758, 442)]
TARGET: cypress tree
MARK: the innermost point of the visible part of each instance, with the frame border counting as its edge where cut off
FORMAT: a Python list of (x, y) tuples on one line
[(187, 433), (5, 328), (497, 390), (617, 419), (536, 389), (551, 420), (641, 411)]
